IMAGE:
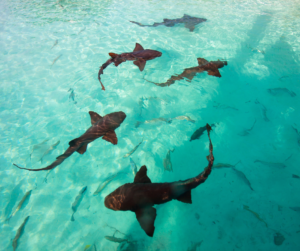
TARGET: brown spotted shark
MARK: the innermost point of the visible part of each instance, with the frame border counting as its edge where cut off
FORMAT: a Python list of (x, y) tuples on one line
[(188, 21), (141, 195), (139, 56), (189, 73), (101, 126)]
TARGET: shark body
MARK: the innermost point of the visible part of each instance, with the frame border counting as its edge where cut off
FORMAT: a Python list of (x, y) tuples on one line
[(188, 21), (101, 126), (139, 56), (189, 73), (141, 195)]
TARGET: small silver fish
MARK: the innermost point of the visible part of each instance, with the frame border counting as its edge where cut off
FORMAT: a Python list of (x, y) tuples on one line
[(133, 150), (103, 185), (152, 121), (255, 214), (81, 30), (243, 177), (257, 50), (77, 201), (115, 239), (222, 106), (296, 176), (224, 165), (26, 195), (297, 209), (72, 94), (45, 180), (184, 118), (298, 134), (18, 234), (167, 161), (247, 131), (55, 60), (133, 167), (271, 164), (56, 42), (281, 91), (264, 110), (51, 148), (37, 146), (194, 246), (283, 77)]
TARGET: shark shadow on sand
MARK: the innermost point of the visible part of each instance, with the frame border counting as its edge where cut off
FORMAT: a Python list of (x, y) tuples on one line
[(101, 126), (188, 21), (189, 73), (139, 56), (141, 195)]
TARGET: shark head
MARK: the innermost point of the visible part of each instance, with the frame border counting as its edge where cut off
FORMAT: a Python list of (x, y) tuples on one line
[(220, 63), (112, 201), (117, 117), (156, 54)]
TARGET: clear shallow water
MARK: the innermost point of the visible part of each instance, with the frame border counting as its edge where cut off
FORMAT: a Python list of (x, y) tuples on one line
[(35, 106)]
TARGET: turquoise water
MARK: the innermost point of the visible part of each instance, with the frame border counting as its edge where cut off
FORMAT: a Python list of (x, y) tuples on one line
[(259, 40)]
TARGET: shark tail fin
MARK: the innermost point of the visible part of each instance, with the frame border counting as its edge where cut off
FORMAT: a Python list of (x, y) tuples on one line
[(185, 197)]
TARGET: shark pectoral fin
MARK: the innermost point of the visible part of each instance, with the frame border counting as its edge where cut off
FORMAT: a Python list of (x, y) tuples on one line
[(119, 62), (94, 117), (146, 217), (140, 63), (113, 55), (82, 149), (185, 197), (214, 72), (111, 137), (189, 26), (73, 142), (202, 61), (141, 176), (138, 47), (190, 78)]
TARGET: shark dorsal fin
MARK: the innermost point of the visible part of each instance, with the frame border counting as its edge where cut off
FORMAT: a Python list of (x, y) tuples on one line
[(202, 61), (94, 117), (138, 47), (185, 15), (141, 176), (73, 142)]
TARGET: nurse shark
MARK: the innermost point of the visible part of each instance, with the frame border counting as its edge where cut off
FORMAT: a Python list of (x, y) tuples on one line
[(101, 126), (141, 195), (139, 56), (188, 21), (189, 73)]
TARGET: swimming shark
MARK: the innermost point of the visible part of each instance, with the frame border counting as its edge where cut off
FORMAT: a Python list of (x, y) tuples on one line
[(189, 73), (188, 21), (139, 56), (101, 126), (141, 195)]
